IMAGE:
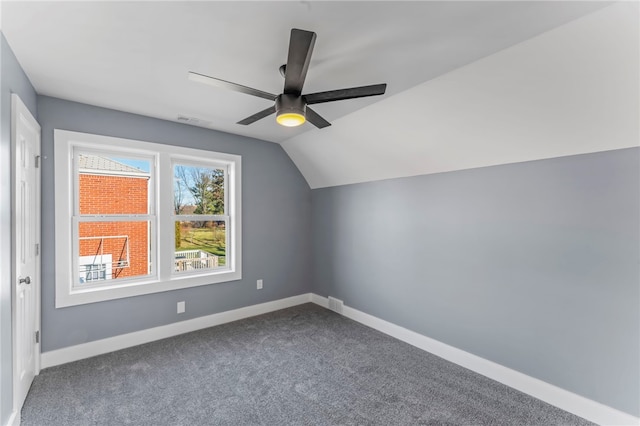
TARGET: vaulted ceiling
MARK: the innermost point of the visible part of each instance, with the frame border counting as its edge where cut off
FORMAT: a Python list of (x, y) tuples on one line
[(464, 78)]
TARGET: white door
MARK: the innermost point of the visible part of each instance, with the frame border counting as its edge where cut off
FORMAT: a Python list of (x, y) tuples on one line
[(25, 137)]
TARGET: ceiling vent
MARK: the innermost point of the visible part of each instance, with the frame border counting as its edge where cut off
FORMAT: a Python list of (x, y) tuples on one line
[(192, 120)]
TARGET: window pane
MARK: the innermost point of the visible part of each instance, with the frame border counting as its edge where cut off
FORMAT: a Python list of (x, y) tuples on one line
[(198, 190), (112, 251), (113, 185), (200, 245)]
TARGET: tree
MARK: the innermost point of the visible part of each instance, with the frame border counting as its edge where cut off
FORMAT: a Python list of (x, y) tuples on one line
[(215, 193), (177, 235), (178, 193), (205, 187)]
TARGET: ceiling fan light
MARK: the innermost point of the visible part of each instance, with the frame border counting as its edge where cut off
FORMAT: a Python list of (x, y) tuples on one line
[(290, 110), (290, 119)]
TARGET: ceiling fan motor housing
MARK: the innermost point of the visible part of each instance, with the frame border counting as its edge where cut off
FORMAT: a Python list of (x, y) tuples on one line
[(290, 104)]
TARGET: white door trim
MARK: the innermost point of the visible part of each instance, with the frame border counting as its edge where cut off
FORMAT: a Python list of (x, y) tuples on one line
[(18, 110)]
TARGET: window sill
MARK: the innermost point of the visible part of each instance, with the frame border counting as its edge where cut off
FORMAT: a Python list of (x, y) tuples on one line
[(81, 296)]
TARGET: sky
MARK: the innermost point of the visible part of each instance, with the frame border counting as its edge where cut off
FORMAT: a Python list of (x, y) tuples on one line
[(143, 165)]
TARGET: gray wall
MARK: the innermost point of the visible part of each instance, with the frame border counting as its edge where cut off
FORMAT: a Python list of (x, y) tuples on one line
[(12, 80), (531, 265), (276, 203)]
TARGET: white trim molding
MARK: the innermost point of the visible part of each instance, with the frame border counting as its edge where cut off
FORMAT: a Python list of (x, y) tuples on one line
[(14, 419), (319, 300), (561, 398), (123, 341)]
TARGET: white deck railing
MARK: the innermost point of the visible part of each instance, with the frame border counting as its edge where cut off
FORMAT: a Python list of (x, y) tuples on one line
[(188, 260)]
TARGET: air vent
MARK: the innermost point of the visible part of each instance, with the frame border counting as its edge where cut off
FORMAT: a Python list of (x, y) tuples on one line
[(192, 120), (335, 304)]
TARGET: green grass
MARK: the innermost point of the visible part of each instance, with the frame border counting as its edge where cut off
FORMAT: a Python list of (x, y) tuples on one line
[(206, 239)]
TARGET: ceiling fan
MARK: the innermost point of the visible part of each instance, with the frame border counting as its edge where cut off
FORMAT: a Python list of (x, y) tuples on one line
[(291, 107)]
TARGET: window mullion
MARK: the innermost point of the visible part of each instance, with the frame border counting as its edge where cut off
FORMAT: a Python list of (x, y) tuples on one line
[(201, 217), (165, 244), (115, 218)]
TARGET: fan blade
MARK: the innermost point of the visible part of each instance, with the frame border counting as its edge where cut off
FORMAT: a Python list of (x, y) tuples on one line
[(316, 120), (216, 82), (300, 49), (342, 94), (258, 115)]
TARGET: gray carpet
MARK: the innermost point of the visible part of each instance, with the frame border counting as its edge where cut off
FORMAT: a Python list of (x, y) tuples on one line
[(299, 366)]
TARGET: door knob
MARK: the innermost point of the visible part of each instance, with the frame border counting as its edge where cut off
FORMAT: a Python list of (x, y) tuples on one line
[(26, 280)]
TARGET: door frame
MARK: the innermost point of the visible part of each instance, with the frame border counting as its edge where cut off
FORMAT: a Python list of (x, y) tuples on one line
[(19, 108)]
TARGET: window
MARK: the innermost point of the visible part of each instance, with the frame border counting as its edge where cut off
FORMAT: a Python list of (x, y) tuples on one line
[(120, 234), (200, 218)]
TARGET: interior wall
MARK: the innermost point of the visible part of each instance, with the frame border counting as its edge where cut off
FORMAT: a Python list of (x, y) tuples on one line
[(12, 80), (533, 265), (276, 243)]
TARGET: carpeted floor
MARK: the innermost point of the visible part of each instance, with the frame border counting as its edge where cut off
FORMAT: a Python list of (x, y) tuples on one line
[(299, 366)]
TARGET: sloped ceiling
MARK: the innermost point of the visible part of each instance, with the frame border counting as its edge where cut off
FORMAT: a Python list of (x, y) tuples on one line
[(572, 90), (459, 92), (134, 56)]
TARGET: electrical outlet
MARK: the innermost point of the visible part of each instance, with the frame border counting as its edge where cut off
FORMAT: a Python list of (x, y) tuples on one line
[(181, 307), (259, 285)]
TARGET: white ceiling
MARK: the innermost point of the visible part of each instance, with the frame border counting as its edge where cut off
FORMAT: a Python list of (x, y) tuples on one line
[(134, 56), (572, 90)]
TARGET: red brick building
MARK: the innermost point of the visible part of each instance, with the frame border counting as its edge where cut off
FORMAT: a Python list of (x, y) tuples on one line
[(111, 249)]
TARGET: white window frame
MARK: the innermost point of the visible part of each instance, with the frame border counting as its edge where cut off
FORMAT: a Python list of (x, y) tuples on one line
[(185, 161), (150, 217), (163, 276)]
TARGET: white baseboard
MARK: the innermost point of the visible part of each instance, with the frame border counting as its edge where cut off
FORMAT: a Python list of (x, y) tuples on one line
[(111, 344), (568, 401), (319, 300), (14, 419)]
